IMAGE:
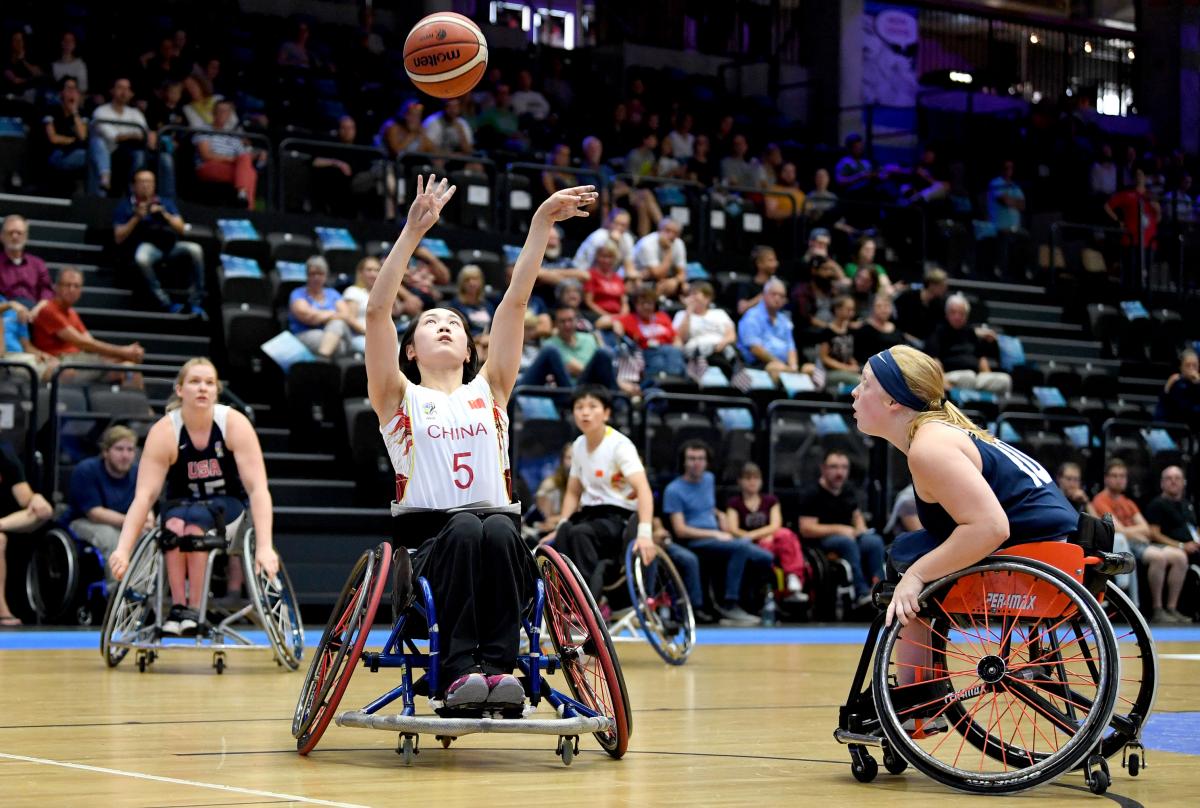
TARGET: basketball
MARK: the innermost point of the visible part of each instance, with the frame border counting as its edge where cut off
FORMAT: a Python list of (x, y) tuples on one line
[(445, 54)]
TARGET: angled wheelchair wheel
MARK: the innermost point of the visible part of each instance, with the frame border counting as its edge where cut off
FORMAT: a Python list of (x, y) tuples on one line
[(584, 648), (130, 613), (52, 577), (341, 646), (1139, 671), (1020, 663), (663, 609), (278, 609)]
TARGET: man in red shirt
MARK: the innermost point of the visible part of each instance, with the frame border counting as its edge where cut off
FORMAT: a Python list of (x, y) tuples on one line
[(59, 331), (653, 333), (1138, 214)]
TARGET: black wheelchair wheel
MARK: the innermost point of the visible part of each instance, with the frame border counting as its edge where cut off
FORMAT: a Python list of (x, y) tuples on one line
[(1021, 663), (585, 648), (341, 645), (130, 612), (663, 608), (1139, 671), (52, 577), (277, 607)]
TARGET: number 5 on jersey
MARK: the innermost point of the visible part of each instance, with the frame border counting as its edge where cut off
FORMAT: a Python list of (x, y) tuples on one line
[(460, 466)]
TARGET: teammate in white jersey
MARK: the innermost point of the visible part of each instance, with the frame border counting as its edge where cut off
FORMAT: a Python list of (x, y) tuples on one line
[(607, 485), (443, 421)]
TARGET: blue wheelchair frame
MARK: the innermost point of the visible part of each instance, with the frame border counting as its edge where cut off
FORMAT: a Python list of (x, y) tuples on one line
[(401, 651)]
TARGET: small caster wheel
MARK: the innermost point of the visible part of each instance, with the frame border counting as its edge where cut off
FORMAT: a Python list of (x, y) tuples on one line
[(893, 762), (446, 740), (219, 663), (863, 766), (566, 750), (84, 616), (408, 749), (141, 661), (1098, 778), (1134, 764)]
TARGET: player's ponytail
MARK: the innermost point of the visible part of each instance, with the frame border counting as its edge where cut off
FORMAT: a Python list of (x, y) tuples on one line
[(925, 378)]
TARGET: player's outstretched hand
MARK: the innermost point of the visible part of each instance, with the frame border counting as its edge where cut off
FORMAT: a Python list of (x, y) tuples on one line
[(426, 209), (568, 203)]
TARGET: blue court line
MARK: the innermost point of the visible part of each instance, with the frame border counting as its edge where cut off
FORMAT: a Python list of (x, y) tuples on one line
[(34, 639)]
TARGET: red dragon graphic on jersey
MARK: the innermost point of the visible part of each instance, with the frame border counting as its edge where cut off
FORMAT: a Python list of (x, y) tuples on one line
[(403, 431)]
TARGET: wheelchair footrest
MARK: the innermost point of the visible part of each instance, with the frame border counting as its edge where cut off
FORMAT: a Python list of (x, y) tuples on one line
[(579, 725)]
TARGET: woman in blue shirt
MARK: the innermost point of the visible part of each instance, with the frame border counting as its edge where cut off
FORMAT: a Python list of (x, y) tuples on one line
[(317, 315)]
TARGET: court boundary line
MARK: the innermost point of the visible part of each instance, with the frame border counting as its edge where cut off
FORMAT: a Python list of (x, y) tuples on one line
[(253, 792)]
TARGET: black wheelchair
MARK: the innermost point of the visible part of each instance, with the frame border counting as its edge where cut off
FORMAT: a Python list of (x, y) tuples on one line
[(1036, 664), (583, 652), (136, 611), (65, 579)]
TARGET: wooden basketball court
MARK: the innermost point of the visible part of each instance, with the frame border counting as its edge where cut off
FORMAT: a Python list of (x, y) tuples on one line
[(737, 725)]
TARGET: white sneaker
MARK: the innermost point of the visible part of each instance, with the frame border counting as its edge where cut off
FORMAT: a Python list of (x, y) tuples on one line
[(794, 584)]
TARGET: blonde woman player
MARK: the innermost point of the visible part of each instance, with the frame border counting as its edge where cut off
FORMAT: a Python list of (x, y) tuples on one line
[(975, 494), (444, 422), (208, 458)]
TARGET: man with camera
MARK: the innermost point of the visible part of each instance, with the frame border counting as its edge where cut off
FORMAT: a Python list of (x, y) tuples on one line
[(147, 228)]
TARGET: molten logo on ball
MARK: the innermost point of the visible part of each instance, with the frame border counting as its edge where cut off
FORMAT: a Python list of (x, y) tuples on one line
[(434, 59)]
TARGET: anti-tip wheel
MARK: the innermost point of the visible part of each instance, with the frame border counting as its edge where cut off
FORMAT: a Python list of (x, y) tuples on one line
[(1098, 778), (864, 767), (566, 750)]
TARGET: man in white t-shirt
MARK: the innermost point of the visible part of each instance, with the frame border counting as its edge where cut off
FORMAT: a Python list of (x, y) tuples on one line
[(707, 332), (606, 486), (107, 137), (661, 258), (449, 131)]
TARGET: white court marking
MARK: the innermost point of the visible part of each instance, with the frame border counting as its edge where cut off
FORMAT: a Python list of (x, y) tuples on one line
[(140, 776), (1188, 657)]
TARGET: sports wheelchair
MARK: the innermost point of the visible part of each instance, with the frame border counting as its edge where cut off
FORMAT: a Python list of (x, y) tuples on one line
[(136, 611), (583, 651), (1022, 679), (65, 579)]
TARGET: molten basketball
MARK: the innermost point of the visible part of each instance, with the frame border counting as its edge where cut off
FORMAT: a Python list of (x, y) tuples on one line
[(445, 54)]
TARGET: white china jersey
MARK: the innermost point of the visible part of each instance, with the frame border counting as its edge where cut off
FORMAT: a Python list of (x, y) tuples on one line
[(449, 450), (605, 472)]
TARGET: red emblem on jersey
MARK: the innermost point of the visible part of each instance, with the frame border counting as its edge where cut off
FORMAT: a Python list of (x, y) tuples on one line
[(401, 484), (476, 404)]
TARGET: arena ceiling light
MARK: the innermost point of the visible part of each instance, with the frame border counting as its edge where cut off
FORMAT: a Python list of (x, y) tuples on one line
[(961, 78)]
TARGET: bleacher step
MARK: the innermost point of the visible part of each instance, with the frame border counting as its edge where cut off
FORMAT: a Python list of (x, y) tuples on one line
[(34, 207), (1066, 350), (1024, 311), (50, 230), (326, 493), (272, 439), (149, 322), (1035, 328), (299, 464), (64, 252), (169, 345), (995, 292)]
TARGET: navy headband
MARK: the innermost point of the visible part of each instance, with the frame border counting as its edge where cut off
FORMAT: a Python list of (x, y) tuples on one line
[(888, 374)]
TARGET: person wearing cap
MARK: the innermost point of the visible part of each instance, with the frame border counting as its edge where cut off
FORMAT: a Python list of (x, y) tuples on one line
[(817, 255)]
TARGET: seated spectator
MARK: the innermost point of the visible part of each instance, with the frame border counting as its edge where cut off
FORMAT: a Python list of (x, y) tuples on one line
[(1070, 481), (921, 309), (59, 331), (864, 288), (202, 101), (472, 301), (349, 183), (18, 347), (570, 356), (24, 279), (355, 296), (448, 132), (683, 142), (690, 503), (817, 255), (21, 511), (602, 176), (667, 167), (812, 302), (403, 132), (1102, 178), (1165, 566), (904, 517), (836, 347), (317, 315), (117, 125), (927, 183), (654, 335), (426, 272), (569, 294), (830, 515), (737, 170), (68, 64), (661, 259), (1179, 401), (146, 229), (786, 200), (1005, 199), (21, 75), (616, 230), (877, 332), (701, 167), (751, 514), (961, 352), (820, 202), (854, 175), (555, 181), (640, 160), (166, 107), (765, 333), (1178, 205), (67, 131), (160, 66), (499, 127), (706, 331), (749, 293), (557, 267), (101, 491), (1172, 516), (864, 258), (294, 52), (552, 489), (527, 101), (604, 292), (225, 158)]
